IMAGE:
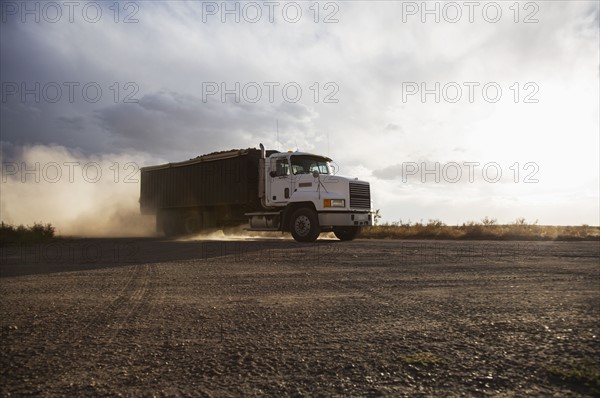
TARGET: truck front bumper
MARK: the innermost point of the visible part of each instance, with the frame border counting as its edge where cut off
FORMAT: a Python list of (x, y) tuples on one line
[(345, 219)]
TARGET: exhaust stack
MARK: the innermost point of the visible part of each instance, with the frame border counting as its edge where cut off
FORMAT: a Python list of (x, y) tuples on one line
[(261, 174)]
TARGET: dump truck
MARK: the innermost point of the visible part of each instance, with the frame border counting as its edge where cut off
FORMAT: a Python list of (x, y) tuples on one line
[(290, 191)]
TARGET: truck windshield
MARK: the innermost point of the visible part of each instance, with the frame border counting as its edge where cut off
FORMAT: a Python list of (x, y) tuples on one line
[(302, 164)]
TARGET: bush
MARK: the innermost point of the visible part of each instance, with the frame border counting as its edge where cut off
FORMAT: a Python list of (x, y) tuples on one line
[(37, 233), (487, 229)]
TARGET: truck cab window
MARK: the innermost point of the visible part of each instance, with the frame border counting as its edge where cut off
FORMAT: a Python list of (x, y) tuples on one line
[(282, 168), (308, 164)]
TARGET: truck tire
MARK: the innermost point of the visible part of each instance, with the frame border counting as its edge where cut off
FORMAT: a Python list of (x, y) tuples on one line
[(304, 225), (192, 222), (168, 222), (346, 233)]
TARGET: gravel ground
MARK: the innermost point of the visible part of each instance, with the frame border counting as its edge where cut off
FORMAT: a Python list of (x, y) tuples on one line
[(143, 317)]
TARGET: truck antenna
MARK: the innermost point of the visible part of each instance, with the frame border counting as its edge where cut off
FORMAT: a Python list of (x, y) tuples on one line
[(277, 123)]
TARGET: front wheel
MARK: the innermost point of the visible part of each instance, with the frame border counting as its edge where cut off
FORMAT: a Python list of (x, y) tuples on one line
[(305, 225), (346, 233)]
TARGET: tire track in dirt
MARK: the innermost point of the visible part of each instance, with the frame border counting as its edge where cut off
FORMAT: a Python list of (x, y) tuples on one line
[(132, 302), (112, 316), (111, 329), (139, 295), (138, 291)]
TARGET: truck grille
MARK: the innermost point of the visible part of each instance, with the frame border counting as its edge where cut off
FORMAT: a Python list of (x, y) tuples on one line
[(360, 196)]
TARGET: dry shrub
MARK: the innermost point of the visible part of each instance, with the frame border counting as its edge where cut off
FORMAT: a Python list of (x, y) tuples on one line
[(37, 233), (487, 229)]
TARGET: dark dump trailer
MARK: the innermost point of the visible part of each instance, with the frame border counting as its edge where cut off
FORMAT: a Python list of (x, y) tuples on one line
[(214, 190)]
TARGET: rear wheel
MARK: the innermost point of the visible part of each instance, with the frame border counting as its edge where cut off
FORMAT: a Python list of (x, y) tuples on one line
[(305, 225), (192, 222), (169, 222), (175, 222), (346, 233)]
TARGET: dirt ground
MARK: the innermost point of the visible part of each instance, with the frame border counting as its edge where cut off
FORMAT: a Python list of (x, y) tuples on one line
[(272, 317)]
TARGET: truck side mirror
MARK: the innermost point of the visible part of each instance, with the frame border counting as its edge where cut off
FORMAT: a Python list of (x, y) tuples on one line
[(315, 173), (273, 173)]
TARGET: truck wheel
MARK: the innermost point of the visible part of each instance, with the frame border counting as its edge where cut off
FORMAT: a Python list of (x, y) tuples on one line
[(170, 229), (168, 222), (347, 233), (192, 222), (305, 225)]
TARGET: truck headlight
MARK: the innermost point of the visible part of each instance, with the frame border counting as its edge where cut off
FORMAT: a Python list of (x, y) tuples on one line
[(334, 203)]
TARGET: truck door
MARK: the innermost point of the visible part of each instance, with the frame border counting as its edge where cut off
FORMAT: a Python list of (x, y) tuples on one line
[(280, 181)]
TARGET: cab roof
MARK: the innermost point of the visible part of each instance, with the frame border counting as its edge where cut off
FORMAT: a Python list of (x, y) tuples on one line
[(297, 153)]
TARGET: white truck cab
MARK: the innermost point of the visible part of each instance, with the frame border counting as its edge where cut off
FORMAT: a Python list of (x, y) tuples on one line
[(301, 194)]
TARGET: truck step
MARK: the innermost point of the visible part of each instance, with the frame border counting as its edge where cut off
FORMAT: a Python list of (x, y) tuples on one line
[(262, 229)]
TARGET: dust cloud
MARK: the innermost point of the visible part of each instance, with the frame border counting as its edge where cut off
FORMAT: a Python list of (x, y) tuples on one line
[(234, 233), (96, 196), (240, 233)]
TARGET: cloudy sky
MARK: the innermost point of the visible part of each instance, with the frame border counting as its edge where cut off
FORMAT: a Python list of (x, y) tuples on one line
[(453, 111)]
